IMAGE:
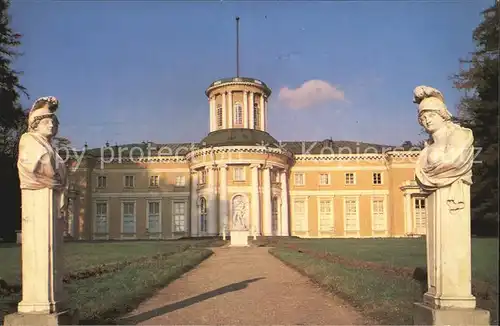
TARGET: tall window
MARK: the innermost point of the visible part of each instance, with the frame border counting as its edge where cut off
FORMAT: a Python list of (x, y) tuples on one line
[(128, 218), (219, 116), (325, 215), (101, 218), (274, 220), (256, 116), (299, 215), (378, 215), (351, 214), (420, 216), (154, 217), (238, 114), (203, 214), (179, 216), (101, 181)]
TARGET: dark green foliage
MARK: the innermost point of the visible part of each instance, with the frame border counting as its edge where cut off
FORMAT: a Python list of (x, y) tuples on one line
[(479, 111)]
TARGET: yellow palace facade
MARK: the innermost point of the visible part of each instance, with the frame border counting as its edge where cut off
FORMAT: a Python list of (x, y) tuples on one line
[(308, 189)]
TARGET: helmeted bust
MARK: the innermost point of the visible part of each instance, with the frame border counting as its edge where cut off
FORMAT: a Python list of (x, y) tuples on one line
[(39, 164), (448, 156)]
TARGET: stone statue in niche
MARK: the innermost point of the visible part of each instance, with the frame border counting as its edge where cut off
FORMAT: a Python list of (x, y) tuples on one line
[(448, 156), (39, 164), (239, 213)]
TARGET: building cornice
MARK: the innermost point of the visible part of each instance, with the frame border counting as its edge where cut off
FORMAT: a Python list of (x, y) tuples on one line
[(237, 149)]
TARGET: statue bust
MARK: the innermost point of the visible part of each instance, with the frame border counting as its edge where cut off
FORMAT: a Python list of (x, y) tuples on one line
[(39, 164), (447, 158)]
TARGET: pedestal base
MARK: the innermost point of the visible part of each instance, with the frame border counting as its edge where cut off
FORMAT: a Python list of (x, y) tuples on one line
[(425, 315), (239, 238), (67, 317)]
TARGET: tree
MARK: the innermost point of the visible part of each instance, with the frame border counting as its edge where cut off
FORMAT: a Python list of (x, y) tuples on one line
[(12, 124), (479, 111)]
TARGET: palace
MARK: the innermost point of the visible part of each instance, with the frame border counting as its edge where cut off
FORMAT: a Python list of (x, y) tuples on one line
[(307, 189)]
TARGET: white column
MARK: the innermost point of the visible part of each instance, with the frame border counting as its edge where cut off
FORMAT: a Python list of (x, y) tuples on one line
[(255, 200), (224, 111), (223, 203), (43, 266), (284, 204), (408, 213), (194, 204), (213, 114), (230, 110), (246, 113), (263, 113), (266, 204), (212, 203), (252, 99), (449, 251)]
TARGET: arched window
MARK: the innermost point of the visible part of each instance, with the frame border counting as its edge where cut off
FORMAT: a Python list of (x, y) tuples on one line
[(219, 116), (238, 114), (274, 216), (203, 214), (256, 116)]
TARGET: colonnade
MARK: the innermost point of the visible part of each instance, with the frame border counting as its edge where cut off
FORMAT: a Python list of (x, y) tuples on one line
[(248, 111), (219, 201)]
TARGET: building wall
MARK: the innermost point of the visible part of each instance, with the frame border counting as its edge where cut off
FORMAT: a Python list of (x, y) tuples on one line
[(336, 196)]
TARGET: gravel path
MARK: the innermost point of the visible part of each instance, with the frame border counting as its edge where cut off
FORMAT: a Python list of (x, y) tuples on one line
[(243, 286)]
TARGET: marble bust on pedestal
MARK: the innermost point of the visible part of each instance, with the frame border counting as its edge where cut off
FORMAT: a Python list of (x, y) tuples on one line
[(444, 172)]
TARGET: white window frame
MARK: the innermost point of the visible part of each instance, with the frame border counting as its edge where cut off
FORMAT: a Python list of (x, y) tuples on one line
[(306, 214), (128, 235), (353, 179), (384, 213), (100, 236), (154, 235), (356, 229), (125, 181), (275, 214), (101, 177), (239, 168), (295, 174), (414, 213), (151, 178), (185, 203), (327, 179), (238, 113), (332, 214), (202, 229), (381, 178), (180, 181), (202, 177)]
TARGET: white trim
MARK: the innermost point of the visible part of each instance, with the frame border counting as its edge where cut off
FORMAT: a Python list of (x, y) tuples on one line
[(356, 232), (328, 181), (339, 192), (306, 214), (332, 207), (140, 194), (303, 178), (158, 235), (139, 169), (237, 161), (183, 184), (134, 236), (353, 178), (384, 207), (185, 202), (206, 152), (300, 168), (94, 212), (243, 171)]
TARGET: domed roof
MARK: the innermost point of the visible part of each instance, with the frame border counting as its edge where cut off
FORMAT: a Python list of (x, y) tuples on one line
[(238, 137)]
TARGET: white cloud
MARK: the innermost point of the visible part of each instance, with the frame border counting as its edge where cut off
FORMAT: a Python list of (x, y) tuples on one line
[(312, 92)]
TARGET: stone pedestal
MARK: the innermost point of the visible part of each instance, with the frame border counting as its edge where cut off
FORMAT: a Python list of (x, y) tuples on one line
[(44, 301), (239, 238), (448, 300)]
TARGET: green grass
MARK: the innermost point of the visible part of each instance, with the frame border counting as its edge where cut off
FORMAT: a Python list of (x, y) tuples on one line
[(385, 297), (102, 297)]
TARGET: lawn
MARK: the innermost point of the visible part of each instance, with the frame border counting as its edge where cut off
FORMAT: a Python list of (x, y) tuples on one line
[(375, 274), (107, 279)]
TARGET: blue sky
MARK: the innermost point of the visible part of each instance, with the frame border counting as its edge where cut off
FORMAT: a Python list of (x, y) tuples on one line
[(131, 71)]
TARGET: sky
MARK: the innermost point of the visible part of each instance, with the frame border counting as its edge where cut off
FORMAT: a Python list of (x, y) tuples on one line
[(133, 71)]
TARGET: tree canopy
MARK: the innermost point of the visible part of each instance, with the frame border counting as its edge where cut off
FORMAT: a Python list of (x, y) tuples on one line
[(479, 111)]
